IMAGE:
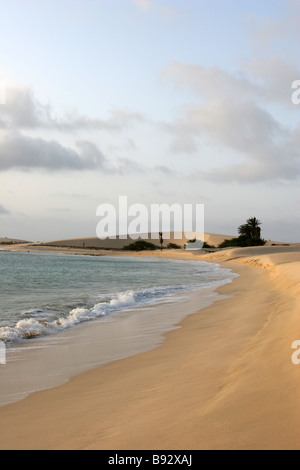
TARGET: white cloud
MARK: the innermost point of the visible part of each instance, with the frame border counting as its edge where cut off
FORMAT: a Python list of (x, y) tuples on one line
[(267, 32), (209, 82), (233, 112), (267, 165), (184, 143), (26, 153), (24, 111), (268, 80), (241, 126), (275, 76), (3, 211), (19, 151)]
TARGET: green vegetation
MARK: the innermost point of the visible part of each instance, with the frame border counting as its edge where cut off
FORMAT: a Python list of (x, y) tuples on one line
[(207, 246), (250, 235), (11, 242), (235, 242), (173, 246), (141, 245)]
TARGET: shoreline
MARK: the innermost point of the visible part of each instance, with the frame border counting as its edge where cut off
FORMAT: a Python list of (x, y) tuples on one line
[(90, 345), (224, 380)]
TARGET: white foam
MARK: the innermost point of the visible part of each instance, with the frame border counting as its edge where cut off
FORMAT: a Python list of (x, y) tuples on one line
[(33, 327)]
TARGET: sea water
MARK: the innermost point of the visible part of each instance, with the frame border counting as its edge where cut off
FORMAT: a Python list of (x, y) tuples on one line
[(42, 294), (61, 315)]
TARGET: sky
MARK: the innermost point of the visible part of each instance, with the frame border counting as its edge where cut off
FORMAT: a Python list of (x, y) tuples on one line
[(182, 101)]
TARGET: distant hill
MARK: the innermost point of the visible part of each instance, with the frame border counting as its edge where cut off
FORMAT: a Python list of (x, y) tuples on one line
[(12, 241), (94, 242)]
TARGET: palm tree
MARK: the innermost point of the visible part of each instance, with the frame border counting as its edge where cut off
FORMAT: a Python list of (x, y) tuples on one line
[(251, 229), (250, 235), (161, 240)]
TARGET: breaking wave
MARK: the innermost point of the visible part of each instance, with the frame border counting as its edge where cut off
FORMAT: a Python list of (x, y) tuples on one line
[(44, 322), (35, 325)]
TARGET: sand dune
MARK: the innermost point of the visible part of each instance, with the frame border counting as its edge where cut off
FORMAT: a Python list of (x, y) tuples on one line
[(212, 239), (90, 243), (11, 241), (118, 244)]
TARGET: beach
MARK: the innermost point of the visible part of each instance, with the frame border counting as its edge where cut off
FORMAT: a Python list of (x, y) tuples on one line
[(149, 291), (223, 380)]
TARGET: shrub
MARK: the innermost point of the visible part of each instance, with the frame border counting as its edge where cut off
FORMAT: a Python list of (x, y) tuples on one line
[(141, 245), (206, 245), (242, 242), (173, 246)]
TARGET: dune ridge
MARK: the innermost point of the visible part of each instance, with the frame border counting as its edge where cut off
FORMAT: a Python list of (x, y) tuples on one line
[(94, 242)]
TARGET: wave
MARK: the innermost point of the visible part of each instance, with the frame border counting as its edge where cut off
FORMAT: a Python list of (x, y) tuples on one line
[(38, 323), (35, 326)]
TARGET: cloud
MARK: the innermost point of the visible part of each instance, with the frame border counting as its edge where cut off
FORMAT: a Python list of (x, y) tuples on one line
[(265, 167), (234, 112), (240, 126), (24, 111), (118, 120), (209, 82), (267, 32), (275, 76), (3, 211), (22, 152), (184, 142), (60, 209), (268, 80), (269, 151)]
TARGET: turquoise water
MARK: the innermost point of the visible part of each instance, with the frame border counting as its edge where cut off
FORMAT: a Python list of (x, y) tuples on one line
[(42, 294)]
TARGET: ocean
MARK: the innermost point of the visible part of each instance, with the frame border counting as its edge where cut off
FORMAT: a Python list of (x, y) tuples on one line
[(62, 315), (42, 294)]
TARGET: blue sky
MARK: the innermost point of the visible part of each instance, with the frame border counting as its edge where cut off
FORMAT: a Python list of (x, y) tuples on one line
[(164, 101), (71, 50)]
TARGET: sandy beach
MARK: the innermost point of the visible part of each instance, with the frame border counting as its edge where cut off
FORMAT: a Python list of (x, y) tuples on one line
[(149, 242), (224, 380)]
